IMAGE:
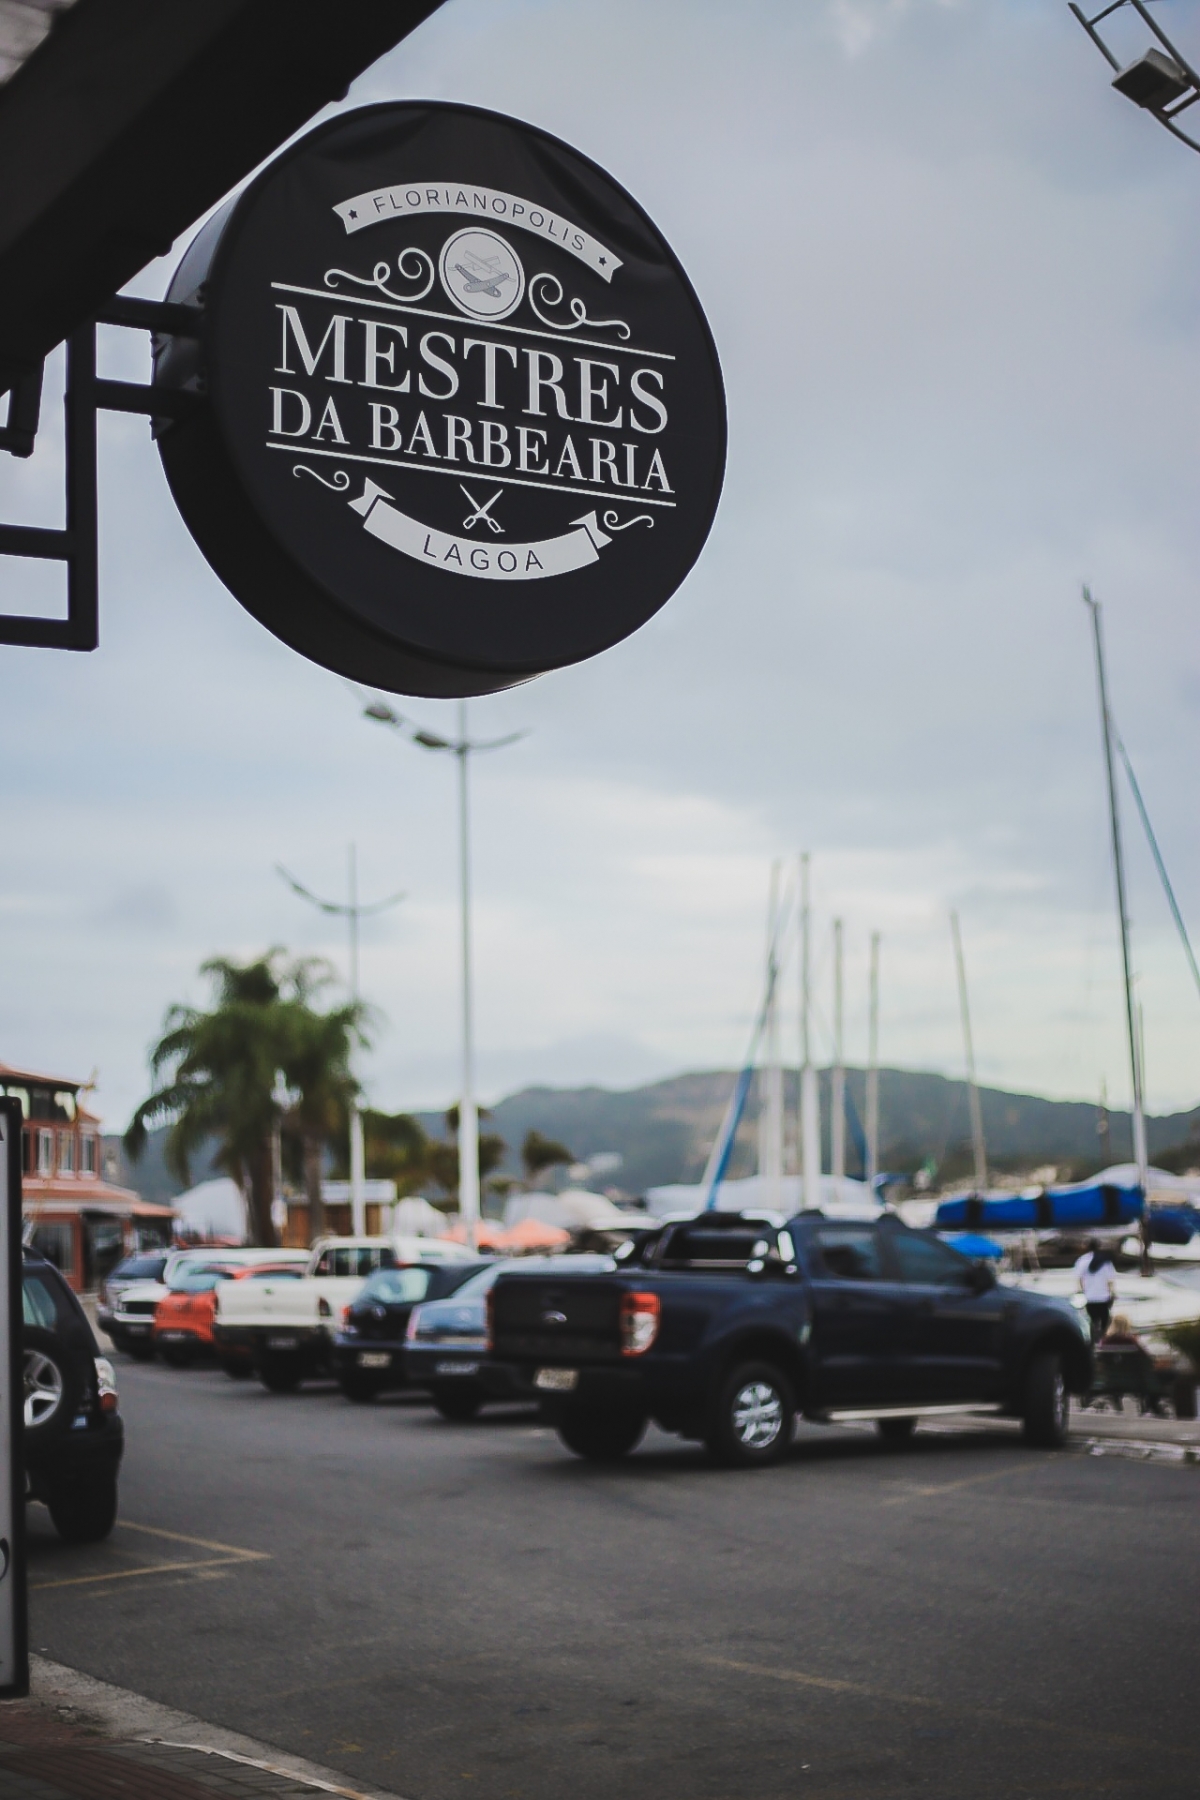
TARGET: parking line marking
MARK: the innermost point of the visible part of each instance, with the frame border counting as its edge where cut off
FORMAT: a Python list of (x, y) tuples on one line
[(231, 1554), (917, 1491), (984, 1714)]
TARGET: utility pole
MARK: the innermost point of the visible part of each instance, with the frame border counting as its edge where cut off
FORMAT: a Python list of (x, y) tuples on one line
[(873, 1067), (810, 1099), (1135, 1061), (837, 1102), (977, 1142), (352, 912)]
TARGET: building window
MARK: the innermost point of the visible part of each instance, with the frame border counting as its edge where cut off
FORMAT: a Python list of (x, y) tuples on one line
[(89, 1153), (55, 1243), (45, 1153), (28, 1152), (66, 1152)]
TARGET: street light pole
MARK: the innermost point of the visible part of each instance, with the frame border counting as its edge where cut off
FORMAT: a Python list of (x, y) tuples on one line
[(352, 912), (468, 1112)]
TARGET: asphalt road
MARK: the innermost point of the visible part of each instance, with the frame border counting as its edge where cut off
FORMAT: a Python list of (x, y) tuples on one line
[(452, 1610)]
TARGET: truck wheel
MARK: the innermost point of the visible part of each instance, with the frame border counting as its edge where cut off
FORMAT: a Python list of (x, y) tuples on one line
[(141, 1349), (752, 1421), (281, 1374), (603, 1437), (457, 1404), (1184, 1396), (54, 1386), (1047, 1403), (84, 1515), (236, 1370), (176, 1356), (895, 1431)]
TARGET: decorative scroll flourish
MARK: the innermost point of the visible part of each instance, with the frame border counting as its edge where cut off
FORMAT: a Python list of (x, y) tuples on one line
[(552, 290), (339, 483), (411, 265), (611, 522)]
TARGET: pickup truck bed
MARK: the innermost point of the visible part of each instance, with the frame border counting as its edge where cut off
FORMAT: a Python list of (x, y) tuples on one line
[(725, 1327)]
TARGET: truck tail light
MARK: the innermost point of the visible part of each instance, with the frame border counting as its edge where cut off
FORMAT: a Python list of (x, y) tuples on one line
[(106, 1385), (640, 1314), (410, 1331)]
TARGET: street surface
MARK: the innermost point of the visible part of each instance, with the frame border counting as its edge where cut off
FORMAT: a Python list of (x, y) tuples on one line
[(450, 1610)]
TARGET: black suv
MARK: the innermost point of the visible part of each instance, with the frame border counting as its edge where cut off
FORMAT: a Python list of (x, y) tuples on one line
[(74, 1434)]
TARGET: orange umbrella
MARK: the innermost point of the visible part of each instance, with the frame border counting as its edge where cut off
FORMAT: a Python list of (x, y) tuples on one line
[(531, 1234)]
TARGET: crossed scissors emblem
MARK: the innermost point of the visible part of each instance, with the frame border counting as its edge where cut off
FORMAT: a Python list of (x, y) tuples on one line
[(482, 511)]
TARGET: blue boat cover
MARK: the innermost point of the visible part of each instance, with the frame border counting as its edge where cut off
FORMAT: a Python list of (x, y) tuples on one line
[(1074, 1207)]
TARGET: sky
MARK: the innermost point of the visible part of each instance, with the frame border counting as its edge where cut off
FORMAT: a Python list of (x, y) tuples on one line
[(952, 278)]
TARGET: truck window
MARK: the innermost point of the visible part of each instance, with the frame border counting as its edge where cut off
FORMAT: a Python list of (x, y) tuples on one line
[(711, 1247), (849, 1252), (922, 1259)]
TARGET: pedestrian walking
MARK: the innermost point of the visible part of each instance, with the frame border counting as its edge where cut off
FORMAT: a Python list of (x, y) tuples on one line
[(1097, 1278)]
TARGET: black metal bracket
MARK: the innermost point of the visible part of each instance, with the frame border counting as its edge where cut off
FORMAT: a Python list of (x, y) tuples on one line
[(76, 543)]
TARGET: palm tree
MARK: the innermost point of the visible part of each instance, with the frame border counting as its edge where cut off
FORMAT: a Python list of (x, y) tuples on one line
[(540, 1153), (221, 1068)]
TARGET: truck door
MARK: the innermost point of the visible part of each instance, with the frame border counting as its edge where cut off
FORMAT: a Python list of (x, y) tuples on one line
[(950, 1334), (854, 1316)]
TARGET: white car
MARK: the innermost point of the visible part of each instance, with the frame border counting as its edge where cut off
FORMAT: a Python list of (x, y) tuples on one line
[(128, 1318)]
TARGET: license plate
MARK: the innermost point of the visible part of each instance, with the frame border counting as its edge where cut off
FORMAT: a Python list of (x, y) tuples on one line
[(282, 1343), (172, 1337), (374, 1359), (137, 1330), (456, 1368), (556, 1381)]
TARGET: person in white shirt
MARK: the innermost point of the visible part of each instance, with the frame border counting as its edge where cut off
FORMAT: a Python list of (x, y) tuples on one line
[(1097, 1278)]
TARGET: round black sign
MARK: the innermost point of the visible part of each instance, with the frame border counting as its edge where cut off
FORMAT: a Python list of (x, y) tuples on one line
[(464, 419)]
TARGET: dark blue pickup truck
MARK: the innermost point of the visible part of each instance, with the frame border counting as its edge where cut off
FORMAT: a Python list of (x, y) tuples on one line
[(724, 1327)]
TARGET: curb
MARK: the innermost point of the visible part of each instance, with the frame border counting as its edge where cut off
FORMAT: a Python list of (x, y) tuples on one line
[(132, 1717)]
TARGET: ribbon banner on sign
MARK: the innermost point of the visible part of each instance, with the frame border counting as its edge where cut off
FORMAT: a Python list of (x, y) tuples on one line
[(484, 203), (466, 556)]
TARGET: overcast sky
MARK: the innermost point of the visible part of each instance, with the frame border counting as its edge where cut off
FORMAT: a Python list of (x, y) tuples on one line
[(953, 281)]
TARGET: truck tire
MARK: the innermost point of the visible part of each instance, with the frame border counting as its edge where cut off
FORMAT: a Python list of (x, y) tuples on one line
[(357, 1388), (895, 1431), (1047, 1403), (177, 1356), (84, 1514), (457, 1404), (141, 1349), (603, 1437), (280, 1374), (752, 1419), (236, 1369), (1184, 1396)]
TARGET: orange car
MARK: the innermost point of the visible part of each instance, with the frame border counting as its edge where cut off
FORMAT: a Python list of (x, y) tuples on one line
[(183, 1320)]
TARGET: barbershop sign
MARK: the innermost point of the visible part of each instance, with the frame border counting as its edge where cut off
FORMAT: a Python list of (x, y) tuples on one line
[(463, 419)]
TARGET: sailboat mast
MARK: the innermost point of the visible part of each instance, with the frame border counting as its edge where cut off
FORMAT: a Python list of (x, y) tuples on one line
[(969, 1047), (873, 1067), (837, 1102), (810, 1102), (1135, 1061), (770, 1124)]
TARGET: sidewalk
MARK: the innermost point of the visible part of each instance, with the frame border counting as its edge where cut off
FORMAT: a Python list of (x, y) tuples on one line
[(77, 1738)]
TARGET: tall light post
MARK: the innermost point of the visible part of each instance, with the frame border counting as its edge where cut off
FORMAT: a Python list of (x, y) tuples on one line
[(468, 1114), (1161, 80), (352, 912)]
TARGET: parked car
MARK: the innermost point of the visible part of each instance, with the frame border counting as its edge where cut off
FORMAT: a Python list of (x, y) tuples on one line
[(368, 1350), (183, 1319), (446, 1344), (723, 1327), (285, 1328), (129, 1322), (131, 1271), (74, 1434)]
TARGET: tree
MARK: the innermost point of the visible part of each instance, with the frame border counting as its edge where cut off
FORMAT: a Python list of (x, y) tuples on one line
[(397, 1149), (540, 1153), (220, 1071), (443, 1152)]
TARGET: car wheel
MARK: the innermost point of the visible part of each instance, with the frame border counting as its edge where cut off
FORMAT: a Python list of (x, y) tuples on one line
[(1184, 1396), (281, 1374), (355, 1388), (176, 1356), (895, 1431), (1047, 1403), (141, 1349), (53, 1386), (238, 1371), (603, 1437), (752, 1420), (459, 1405), (84, 1515)]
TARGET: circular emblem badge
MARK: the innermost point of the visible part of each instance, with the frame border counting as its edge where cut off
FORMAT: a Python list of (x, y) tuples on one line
[(462, 419), (482, 274)]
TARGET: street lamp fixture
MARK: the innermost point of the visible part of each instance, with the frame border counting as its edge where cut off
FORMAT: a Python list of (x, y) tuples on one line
[(1161, 81), (461, 747)]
